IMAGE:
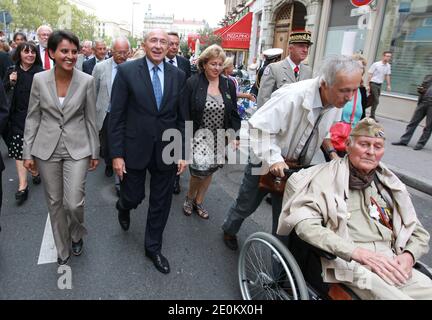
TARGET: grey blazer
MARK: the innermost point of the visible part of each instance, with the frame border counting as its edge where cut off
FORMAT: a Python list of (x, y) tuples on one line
[(277, 75), (47, 120), (102, 74)]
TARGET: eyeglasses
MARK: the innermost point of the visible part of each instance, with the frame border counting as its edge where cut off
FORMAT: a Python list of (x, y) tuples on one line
[(155, 41), (29, 51), (121, 53), (215, 65)]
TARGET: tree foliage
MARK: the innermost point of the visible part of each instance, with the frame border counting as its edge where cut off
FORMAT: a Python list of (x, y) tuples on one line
[(207, 38), (59, 14)]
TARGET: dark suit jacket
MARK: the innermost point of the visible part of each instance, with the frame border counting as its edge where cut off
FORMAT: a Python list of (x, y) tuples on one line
[(4, 111), (5, 63), (38, 53), (135, 125), (184, 65), (89, 65)]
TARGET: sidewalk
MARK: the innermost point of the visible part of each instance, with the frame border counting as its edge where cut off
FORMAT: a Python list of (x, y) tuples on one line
[(414, 168)]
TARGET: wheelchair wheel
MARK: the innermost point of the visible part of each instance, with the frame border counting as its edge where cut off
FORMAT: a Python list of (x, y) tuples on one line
[(268, 271)]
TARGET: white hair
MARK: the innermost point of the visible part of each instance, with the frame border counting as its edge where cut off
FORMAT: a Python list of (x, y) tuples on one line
[(332, 65), (120, 39)]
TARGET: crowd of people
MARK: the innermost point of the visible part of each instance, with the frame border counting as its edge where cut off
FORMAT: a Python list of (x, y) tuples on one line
[(64, 105)]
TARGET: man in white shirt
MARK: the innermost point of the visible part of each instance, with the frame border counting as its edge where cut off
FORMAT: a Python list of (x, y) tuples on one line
[(296, 120), (378, 72), (43, 33)]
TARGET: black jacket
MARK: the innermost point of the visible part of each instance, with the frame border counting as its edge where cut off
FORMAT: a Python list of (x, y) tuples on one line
[(3, 119), (5, 62), (20, 96), (89, 65), (135, 125), (196, 96), (184, 65)]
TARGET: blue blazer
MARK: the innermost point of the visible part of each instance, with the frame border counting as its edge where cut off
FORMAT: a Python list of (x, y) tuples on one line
[(135, 125)]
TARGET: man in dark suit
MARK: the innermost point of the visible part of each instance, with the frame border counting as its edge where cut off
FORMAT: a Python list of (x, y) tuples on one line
[(183, 64), (99, 51), (146, 100), (4, 112)]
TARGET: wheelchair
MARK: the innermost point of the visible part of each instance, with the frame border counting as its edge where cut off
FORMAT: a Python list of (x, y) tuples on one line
[(271, 270)]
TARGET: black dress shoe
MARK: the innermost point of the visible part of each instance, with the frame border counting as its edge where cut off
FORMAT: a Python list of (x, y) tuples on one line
[(61, 262), (109, 171), (418, 147), (160, 262), (230, 241), (399, 143), (21, 196), (36, 179), (177, 185), (77, 247), (123, 217)]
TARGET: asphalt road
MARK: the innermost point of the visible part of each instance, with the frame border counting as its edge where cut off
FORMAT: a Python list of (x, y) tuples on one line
[(113, 264)]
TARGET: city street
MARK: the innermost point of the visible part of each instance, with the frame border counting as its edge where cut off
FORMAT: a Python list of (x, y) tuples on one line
[(113, 264)]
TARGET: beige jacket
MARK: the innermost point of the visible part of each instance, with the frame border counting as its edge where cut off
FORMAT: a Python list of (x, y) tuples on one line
[(321, 192), (278, 74), (75, 120)]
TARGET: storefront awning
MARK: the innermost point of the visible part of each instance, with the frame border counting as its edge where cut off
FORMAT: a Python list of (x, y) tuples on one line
[(221, 30), (237, 36)]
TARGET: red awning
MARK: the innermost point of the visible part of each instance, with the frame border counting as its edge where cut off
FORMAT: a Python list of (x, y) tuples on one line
[(221, 30), (237, 36)]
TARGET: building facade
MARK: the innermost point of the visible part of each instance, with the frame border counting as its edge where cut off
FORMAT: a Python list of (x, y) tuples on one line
[(338, 27), (110, 29)]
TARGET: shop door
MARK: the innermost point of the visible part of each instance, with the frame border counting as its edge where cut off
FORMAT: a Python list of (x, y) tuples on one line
[(283, 27)]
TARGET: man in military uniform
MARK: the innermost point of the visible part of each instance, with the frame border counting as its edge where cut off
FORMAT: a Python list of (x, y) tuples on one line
[(356, 209), (289, 70), (271, 56)]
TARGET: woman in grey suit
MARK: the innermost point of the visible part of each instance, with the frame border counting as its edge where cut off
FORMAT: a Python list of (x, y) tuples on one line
[(61, 140)]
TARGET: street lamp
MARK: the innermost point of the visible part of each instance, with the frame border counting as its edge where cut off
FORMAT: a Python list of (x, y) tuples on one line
[(133, 5)]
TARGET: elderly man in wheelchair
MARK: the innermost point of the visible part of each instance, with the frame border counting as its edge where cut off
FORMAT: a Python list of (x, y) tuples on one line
[(353, 232)]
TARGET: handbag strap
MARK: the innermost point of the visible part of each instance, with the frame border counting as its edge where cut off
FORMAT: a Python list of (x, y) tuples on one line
[(354, 107)]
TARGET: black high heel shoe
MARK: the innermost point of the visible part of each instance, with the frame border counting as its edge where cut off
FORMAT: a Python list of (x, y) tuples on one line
[(21, 196)]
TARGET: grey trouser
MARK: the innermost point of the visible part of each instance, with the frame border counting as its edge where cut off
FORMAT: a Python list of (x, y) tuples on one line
[(375, 91), (423, 109), (248, 200), (64, 179)]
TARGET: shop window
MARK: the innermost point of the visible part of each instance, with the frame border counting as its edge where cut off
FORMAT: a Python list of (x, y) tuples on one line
[(344, 35), (407, 32)]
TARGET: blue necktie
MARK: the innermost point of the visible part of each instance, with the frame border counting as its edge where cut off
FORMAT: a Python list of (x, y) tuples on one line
[(157, 88)]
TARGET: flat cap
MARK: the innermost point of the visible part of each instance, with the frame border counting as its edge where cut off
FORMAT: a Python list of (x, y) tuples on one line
[(368, 127)]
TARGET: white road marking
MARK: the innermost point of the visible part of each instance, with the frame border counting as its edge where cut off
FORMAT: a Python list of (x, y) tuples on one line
[(48, 250)]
